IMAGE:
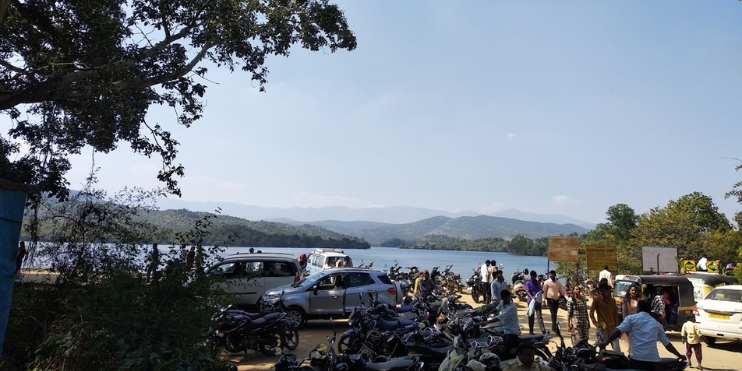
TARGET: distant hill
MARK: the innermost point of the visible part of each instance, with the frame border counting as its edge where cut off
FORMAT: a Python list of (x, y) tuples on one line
[(466, 227), (388, 215)]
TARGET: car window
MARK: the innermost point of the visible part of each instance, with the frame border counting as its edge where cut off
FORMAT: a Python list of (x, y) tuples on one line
[(622, 287), (308, 281), (726, 295), (229, 270), (277, 269), (359, 279), (385, 280), (331, 282)]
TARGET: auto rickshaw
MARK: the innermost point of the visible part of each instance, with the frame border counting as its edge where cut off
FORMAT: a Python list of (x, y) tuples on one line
[(704, 282), (681, 296)]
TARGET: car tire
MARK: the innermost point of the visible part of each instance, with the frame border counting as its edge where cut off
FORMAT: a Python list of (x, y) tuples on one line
[(709, 340), (295, 316)]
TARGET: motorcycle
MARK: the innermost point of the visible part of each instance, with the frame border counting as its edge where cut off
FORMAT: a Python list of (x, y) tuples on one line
[(474, 286), (519, 290), (290, 338), (237, 330)]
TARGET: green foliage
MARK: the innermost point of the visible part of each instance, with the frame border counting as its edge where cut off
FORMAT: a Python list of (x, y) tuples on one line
[(101, 313), (519, 245), (87, 73)]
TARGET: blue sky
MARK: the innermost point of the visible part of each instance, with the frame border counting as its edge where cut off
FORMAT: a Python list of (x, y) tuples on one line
[(546, 107)]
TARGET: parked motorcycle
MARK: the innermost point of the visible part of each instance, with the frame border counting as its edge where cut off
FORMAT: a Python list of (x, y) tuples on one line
[(474, 286), (236, 330)]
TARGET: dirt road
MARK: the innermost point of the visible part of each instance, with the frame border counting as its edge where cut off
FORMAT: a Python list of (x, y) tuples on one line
[(723, 356)]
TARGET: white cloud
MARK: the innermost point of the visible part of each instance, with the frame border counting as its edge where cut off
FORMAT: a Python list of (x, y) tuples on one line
[(565, 200), (512, 135)]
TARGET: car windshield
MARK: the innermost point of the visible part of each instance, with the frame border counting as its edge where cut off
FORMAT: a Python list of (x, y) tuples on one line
[(734, 296), (309, 280), (621, 288)]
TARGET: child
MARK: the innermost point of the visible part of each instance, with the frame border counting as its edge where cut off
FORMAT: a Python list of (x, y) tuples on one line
[(691, 337)]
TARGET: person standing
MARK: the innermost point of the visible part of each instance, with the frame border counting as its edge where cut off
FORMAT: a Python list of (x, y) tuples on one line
[(498, 284), (690, 335), (701, 265), (553, 290), (20, 256), (486, 275), (190, 257), (533, 290), (644, 333), (658, 306), (577, 318), (607, 315), (630, 306), (606, 274), (154, 261)]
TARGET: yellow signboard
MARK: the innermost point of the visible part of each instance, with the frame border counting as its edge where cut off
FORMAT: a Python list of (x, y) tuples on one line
[(712, 266), (689, 265), (563, 248), (598, 256)]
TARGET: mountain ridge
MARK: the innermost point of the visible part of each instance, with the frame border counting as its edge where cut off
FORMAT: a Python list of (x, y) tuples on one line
[(389, 215)]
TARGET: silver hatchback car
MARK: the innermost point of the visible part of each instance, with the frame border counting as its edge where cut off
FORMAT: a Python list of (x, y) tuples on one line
[(332, 293)]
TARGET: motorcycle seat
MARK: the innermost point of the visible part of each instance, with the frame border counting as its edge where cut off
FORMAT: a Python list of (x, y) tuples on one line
[(385, 325), (531, 338), (400, 363)]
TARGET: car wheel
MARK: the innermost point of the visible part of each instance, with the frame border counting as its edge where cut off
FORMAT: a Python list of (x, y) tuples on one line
[(709, 340), (295, 317)]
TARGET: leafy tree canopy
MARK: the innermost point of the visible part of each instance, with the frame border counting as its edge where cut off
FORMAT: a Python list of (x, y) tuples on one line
[(76, 74)]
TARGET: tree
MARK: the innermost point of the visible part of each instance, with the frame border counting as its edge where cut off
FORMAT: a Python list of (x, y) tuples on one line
[(86, 73), (688, 224)]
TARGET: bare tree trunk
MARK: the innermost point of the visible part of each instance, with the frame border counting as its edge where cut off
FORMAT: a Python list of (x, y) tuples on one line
[(3, 8)]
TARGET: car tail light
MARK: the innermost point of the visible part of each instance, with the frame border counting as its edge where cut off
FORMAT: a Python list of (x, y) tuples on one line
[(601, 359), (392, 291), (297, 278)]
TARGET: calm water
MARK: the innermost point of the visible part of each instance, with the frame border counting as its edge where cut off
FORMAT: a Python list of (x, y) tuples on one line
[(464, 262)]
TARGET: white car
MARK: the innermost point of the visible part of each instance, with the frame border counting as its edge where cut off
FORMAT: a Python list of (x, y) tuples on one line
[(719, 315), (249, 276)]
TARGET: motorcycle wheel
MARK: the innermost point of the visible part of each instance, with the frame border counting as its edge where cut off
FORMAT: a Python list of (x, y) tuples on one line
[(270, 343), (290, 338), (232, 343), (347, 346), (475, 296)]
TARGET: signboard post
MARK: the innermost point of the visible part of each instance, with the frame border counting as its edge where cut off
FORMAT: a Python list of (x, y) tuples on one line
[(563, 248), (599, 256), (660, 259)]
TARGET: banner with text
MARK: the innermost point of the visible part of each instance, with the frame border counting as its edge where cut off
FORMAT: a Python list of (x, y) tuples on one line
[(599, 256), (563, 248)]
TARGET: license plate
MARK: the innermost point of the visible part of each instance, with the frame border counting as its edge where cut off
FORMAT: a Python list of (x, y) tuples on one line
[(719, 316)]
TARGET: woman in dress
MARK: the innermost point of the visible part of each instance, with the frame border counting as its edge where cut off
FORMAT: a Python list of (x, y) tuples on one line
[(629, 306), (578, 322)]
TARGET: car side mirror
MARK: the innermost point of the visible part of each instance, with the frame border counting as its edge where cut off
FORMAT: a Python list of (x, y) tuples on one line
[(315, 288)]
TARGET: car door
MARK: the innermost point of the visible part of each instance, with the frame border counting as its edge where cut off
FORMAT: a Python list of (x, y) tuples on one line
[(241, 279), (360, 283), (328, 295)]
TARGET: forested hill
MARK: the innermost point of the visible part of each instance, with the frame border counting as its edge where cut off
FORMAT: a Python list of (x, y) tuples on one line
[(466, 227), (255, 233)]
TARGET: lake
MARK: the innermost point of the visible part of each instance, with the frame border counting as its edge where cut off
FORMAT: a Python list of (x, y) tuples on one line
[(464, 262)]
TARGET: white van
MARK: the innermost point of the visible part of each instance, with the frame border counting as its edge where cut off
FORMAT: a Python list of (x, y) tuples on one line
[(322, 259), (249, 276)]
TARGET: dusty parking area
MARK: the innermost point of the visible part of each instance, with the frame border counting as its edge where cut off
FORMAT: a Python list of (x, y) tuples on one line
[(723, 356)]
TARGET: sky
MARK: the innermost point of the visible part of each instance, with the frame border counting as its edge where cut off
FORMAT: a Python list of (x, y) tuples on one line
[(546, 107)]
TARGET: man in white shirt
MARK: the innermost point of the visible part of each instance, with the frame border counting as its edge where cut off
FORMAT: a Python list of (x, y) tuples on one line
[(485, 272), (605, 273), (702, 263), (497, 285)]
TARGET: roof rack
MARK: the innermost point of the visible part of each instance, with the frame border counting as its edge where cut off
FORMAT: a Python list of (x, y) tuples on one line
[(329, 250)]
